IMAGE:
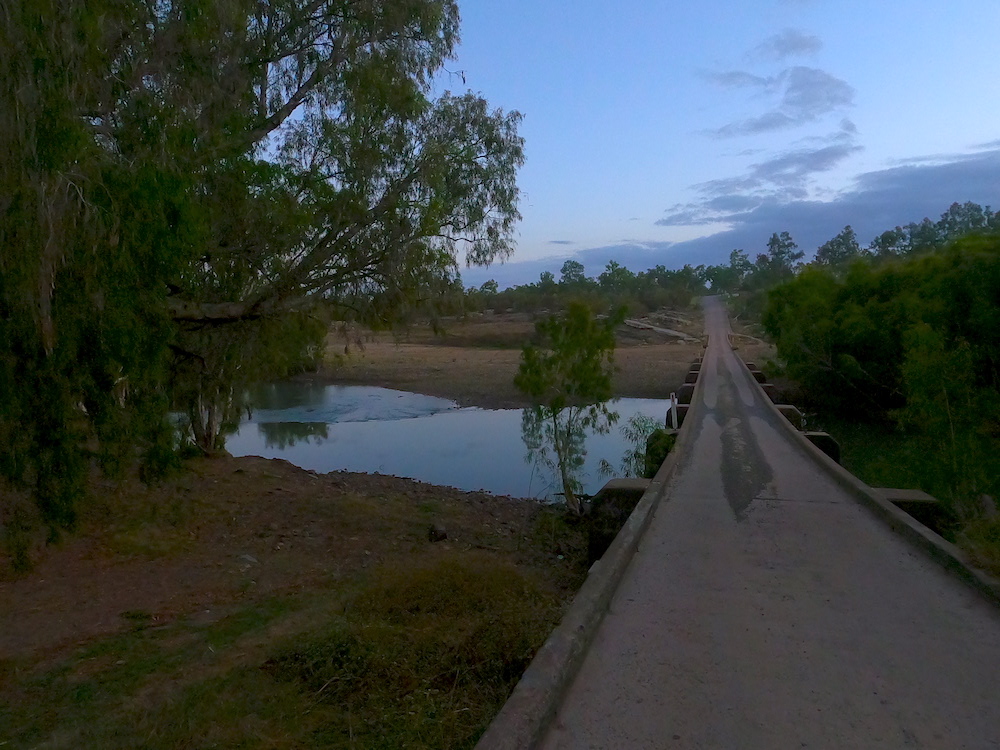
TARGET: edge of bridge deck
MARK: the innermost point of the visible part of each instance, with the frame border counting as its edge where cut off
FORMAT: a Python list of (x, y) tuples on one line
[(525, 716), (943, 552)]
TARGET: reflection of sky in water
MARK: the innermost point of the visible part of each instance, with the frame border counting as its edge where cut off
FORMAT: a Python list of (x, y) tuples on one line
[(306, 402), (409, 435)]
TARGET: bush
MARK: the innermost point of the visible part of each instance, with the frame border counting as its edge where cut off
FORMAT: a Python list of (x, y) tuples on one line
[(658, 445)]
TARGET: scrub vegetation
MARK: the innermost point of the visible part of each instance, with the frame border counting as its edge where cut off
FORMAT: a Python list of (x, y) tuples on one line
[(897, 349), (568, 377)]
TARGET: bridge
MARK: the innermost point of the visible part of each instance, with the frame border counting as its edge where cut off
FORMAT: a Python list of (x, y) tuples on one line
[(757, 598)]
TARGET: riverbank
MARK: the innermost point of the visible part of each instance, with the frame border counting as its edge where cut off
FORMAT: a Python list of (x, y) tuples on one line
[(247, 602)]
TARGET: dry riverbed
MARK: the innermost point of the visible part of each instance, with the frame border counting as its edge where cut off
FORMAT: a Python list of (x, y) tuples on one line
[(246, 602), (474, 361)]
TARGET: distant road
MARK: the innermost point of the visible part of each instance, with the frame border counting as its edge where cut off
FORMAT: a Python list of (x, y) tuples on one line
[(766, 609)]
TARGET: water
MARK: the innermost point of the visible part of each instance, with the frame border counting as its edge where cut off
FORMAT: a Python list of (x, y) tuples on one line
[(366, 429)]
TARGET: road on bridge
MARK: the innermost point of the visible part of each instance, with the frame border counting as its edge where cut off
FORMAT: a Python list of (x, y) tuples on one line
[(766, 608)]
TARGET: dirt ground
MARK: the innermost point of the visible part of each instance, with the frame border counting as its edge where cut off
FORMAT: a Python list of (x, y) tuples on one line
[(157, 623), (232, 530)]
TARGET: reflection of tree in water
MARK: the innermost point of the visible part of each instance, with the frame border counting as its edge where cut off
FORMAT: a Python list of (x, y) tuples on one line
[(636, 432), (283, 435), (286, 395), (558, 441)]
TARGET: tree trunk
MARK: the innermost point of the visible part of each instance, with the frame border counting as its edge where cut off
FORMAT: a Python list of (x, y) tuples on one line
[(205, 426), (561, 448)]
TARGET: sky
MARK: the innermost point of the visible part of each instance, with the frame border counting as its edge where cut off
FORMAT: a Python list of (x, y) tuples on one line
[(671, 133)]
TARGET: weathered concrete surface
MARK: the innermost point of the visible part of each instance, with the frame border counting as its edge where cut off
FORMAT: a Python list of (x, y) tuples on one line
[(685, 393), (825, 442), (923, 507), (528, 711), (792, 414), (682, 410), (765, 608), (607, 512), (894, 495), (772, 392), (625, 484)]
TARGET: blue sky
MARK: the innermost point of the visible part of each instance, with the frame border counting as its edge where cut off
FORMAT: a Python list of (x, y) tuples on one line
[(672, 133)]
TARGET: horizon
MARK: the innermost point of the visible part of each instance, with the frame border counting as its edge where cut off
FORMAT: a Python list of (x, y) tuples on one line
[(672, 136)]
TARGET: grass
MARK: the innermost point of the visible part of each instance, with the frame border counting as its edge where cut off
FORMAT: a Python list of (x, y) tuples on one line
[(880, 455), (148, 687), (981, 538), (885, 456), (422, 657), (420, 654)]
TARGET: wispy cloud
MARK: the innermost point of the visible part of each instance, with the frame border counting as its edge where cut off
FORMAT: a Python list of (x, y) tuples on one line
[(787, 43), (740, 79), (561, 242), (807, 94), (755, 125), (785, 176)]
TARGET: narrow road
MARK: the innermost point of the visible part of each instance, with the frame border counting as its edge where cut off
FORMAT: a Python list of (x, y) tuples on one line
[(765, 608)]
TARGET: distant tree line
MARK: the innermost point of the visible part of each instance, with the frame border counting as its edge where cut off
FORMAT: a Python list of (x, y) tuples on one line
[(615, 287), (782, 259)]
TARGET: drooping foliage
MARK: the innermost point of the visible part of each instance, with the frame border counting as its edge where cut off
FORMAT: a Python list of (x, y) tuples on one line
[(189, 189)]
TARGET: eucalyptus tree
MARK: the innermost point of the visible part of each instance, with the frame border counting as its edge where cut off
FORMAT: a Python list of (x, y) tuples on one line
[(840, 249), (182, 182), (569, 379)]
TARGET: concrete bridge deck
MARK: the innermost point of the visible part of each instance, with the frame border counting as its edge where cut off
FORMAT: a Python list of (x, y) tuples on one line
[(766, 608)]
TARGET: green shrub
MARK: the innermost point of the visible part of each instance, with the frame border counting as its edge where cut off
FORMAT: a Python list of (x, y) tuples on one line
[(658, 445)]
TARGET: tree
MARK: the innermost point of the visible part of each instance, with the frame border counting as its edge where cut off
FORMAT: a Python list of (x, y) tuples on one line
[(740, 263), (570, 382), (778, 263), (616, 279), (572, 273), (963, 218), (923, 237), (947, 410), (889, 244), (729, 278), (782, 252), (841, 249), (546, 282), (171, 171)]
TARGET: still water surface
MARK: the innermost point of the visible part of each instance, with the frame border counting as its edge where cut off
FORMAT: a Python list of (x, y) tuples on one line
[(367, 429)]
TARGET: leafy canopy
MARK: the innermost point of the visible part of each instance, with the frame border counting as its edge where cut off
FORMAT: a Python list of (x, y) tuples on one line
[(183, 184)]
